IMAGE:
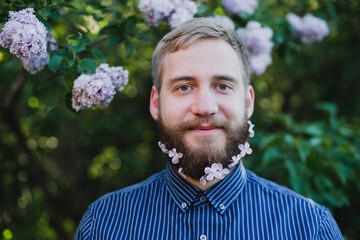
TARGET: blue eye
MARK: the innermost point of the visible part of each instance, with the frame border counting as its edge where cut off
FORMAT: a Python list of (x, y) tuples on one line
[(184, 88), (223, 87)]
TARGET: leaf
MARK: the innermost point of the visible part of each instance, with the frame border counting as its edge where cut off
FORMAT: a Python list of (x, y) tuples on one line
[(330, 108), (303, 149), (142, 36), (65, 4), (77, 48), (128, 49), (89, 64), (55, 62), (80, 69), (98, 54), (270, 154)]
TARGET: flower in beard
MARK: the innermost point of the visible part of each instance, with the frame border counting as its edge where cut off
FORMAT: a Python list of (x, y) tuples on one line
[(195, 160), (163, 147), (251, 131), (235, 160), (245, 149), (215, 171), (175, 156)]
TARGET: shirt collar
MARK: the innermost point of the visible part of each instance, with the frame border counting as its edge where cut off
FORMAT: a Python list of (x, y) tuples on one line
[(221, 196)]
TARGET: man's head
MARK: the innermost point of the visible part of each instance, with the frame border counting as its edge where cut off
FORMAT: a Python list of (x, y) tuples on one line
[(201, 98)]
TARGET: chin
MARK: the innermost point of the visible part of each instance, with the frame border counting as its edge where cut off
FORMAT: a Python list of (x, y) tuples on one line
[(205, 143)]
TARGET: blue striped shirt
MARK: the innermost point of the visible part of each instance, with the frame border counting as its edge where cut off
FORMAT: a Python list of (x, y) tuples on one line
[(242, 206)]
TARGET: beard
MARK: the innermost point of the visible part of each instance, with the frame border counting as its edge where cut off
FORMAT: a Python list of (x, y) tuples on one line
[(195, 160)]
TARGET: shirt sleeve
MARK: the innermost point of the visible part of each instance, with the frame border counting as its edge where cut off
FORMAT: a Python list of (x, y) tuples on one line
[(84, 230), (329, 229)]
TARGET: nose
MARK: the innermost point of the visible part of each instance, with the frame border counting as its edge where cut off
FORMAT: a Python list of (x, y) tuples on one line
[(205, 104)]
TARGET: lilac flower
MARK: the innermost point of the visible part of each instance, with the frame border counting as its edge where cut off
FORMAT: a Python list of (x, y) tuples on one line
[(203, 180), (181, 172), (34, 64), (184, 11), (251, 131), (156, 10), (235, 160), (118, 75), (225, 21), (175, 156), (257, 40), (309, 28), (216, 171), (24, 34), (245, 149), (239, 6), (163, 147), (92, 90), (175, 12)]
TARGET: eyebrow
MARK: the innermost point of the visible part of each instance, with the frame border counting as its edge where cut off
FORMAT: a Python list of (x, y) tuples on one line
[(191, 78)]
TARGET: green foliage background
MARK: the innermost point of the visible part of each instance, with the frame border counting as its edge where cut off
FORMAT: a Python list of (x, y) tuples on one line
[(55, 162)]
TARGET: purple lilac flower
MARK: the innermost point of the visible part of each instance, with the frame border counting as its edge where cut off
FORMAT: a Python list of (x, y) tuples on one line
[(118, 75), (225, 21), (24, 34), (240, 6), (309, 28), (175, 12), (184, 11), (257, 40), (92, 90), (34, 64)]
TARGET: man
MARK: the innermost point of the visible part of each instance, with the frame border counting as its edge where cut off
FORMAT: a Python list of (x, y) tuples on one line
[(202, 101)]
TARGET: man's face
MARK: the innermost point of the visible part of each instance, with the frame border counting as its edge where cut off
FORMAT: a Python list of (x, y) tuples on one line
[(203, 106)]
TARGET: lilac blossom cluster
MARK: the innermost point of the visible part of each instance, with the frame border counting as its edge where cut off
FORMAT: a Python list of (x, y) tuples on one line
[(234, 7), (24, 34), (175, 12), (309, 28), (257, 40), (225, 21), (98, 89), (34, 64)]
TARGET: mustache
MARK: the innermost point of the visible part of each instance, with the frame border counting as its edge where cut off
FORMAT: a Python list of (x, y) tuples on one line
[(212, 122)]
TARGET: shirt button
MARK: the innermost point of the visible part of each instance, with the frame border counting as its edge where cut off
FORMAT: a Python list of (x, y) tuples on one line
[(203, 237), (183, 205), (202, 198), (222, 206)]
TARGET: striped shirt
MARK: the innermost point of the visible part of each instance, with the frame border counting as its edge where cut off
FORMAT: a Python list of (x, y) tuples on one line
[(242, 206)]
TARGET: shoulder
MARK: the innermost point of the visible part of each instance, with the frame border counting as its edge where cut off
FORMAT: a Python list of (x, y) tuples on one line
[(113, 205)]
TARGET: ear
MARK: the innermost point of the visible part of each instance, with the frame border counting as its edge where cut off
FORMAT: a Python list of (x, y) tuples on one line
[(250, 99), (154, 103)]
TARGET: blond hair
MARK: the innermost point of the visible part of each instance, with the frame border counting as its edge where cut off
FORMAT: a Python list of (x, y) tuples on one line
[(195, 29)]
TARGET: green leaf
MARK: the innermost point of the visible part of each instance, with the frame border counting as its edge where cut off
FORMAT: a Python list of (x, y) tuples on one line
[(89, 64), (80, 69), (270, 154), (303, 149), (142, 36), (98, 54), (65, 4), (77, 48), (128, 49), (55, 62)]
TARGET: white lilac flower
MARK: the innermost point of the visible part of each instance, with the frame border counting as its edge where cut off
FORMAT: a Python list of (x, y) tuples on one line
[(24, 34), (245, 149), (225, 21), (184, 11), (257, 40), (118, 75), (181, 172), (92, 90), (175, 12), (251, 131), (34, 64), (175, 156), (156, 10), (235, 160), (309, 28), (216, 171), (163, 147), (240, 6)]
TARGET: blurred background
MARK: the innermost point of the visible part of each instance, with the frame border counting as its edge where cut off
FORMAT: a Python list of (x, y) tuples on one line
[(54, 161)]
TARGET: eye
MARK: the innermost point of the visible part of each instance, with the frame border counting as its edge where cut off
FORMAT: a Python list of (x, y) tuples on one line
[(223, 87), (184, 88)]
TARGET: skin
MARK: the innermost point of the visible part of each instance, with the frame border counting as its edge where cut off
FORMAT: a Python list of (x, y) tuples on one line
[(203, 80)]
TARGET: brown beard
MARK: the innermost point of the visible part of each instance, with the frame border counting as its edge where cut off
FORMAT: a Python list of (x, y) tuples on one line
[(194, 162)]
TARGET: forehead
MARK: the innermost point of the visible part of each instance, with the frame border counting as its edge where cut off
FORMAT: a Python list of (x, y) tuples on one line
[(203, 57)]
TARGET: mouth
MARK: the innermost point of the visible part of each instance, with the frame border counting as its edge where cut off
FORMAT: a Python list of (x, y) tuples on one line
[(206, 130)]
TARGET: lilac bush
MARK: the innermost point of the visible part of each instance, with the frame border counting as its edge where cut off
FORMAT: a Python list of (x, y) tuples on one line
[(257, 40), (24, 34), (225, 21), (118, 75), (309, 28)]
